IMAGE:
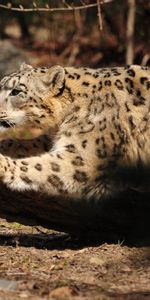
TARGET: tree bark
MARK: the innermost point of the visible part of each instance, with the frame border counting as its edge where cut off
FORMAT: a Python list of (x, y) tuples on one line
[(125, 216), (122, 216)]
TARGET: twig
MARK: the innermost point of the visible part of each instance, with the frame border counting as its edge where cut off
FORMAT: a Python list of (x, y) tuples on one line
[(53, 9), (130, 32), (66, 4), (99, 14), (145, 59)]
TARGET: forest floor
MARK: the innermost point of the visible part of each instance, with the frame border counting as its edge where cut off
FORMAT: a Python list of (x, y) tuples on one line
[(39, 264)]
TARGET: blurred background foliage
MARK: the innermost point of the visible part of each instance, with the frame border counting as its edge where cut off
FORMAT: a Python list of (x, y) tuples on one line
[(74, 38)]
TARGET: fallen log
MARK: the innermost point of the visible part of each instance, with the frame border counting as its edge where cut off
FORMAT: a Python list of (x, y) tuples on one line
[(125, 216)]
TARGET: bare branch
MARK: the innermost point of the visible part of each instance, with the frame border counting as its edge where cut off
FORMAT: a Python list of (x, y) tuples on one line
[(34, 4), (145, 59), (99, 14), (52, 9), (66, 4), (130, 32)]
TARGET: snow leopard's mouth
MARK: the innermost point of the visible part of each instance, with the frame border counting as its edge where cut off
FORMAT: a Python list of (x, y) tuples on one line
[(6, 124)]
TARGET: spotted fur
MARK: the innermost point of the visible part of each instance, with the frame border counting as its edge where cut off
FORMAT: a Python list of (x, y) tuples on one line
[(101, 122)]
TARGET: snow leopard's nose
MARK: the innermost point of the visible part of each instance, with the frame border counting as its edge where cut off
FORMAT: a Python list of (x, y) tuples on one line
[(2, 115)]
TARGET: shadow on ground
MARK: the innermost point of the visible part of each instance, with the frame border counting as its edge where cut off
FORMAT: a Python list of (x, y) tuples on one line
[(122, 220)]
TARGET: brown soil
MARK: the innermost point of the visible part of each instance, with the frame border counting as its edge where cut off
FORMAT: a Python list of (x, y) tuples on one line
[(50, 265)]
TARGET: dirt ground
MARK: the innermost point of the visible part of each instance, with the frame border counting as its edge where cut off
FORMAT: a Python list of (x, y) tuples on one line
[(40, 264)]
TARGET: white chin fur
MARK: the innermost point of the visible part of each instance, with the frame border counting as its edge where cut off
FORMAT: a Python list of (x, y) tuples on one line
[(2, 129)]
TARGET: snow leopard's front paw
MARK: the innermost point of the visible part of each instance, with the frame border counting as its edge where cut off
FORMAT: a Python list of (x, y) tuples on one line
[(4, 165)]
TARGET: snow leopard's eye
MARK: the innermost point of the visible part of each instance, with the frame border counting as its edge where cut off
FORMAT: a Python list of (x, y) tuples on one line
[(14, 92)]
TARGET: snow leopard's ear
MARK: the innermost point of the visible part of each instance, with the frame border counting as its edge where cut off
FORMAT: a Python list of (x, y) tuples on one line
[(25, 67), (54, 79)]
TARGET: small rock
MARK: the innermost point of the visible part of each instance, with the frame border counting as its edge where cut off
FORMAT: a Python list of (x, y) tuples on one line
[(24, 295), (10, 58), (8, 285), (126, 269), (62, 293), (97, 261)]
